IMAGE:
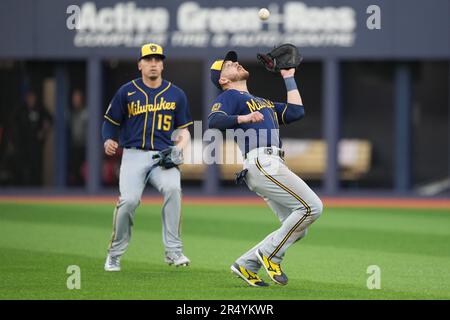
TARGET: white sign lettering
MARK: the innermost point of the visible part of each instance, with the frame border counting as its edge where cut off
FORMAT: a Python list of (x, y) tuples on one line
[(125, 24)]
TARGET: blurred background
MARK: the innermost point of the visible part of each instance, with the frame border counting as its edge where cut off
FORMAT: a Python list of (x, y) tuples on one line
[(375, 83)]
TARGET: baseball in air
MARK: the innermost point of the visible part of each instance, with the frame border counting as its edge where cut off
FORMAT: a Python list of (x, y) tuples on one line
[(263, 14)]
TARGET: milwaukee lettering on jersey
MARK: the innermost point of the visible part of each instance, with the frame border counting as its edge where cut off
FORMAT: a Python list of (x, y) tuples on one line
[(256, 105), (135, 107)]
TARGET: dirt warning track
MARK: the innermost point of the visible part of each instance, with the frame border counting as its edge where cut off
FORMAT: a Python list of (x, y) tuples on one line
[(243, 201)]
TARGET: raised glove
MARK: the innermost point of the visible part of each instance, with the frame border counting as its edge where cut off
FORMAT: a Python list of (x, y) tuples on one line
[(285, 56), (170, 157)]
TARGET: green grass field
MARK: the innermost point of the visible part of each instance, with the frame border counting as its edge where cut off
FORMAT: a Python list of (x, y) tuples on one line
[(39, 241)]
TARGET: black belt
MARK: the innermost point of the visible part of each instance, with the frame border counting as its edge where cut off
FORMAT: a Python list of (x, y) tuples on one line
[(139, 148), (271, 151)]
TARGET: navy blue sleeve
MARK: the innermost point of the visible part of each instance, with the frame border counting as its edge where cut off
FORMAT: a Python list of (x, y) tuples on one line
[(225, 104), (109, 131), (115, 112), (288, 112), (222, 121), (182, 114)]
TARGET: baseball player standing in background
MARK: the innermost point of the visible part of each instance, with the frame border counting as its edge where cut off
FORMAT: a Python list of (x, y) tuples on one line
[(265, 172), (144, 113)]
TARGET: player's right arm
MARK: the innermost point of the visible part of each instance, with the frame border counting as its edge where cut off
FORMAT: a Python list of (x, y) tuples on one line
[(110, 147), (111, 125), (223, 114)]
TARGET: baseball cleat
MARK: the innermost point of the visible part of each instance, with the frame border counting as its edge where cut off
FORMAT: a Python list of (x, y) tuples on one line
[(273, 269), (112, 263), (248, 276), (177, 259)]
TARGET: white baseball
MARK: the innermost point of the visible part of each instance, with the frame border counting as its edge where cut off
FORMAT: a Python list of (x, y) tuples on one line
[(263, 14)]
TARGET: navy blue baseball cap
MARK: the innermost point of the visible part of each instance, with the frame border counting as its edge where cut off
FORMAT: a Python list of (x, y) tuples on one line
[(216, 67)]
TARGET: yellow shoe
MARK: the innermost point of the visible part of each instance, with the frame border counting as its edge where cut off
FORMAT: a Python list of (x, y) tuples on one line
[(273, 269), (248, 276)]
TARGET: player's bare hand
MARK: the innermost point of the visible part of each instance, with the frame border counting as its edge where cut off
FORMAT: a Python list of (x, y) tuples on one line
[(286, 73), (110, 147), (251, 117)]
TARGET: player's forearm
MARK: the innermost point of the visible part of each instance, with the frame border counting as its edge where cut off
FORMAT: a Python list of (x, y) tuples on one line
[(183, 138), (109, 131), (222, 121), (293, 95)]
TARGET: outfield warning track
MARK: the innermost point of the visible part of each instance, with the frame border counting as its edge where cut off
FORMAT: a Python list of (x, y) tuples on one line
[(240, 201)]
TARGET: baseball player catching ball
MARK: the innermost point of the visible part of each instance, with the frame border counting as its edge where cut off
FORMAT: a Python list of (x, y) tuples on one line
[(143, 114), (265, 172)]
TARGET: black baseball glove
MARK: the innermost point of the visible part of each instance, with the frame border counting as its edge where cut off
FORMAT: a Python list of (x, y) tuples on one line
[(240, 176), (285, 56), (169, 158)]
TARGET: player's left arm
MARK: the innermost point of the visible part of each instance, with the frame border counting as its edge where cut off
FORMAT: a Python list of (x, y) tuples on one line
[(182, 121), (183, 117), (182, 138), (293, 110), (293, 95)]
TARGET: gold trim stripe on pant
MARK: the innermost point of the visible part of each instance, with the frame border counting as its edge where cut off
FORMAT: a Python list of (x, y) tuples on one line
[(307, 214), (114, 228)]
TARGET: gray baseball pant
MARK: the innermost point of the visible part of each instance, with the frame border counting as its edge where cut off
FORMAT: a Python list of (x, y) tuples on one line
[(290, 198), (134, 173)]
